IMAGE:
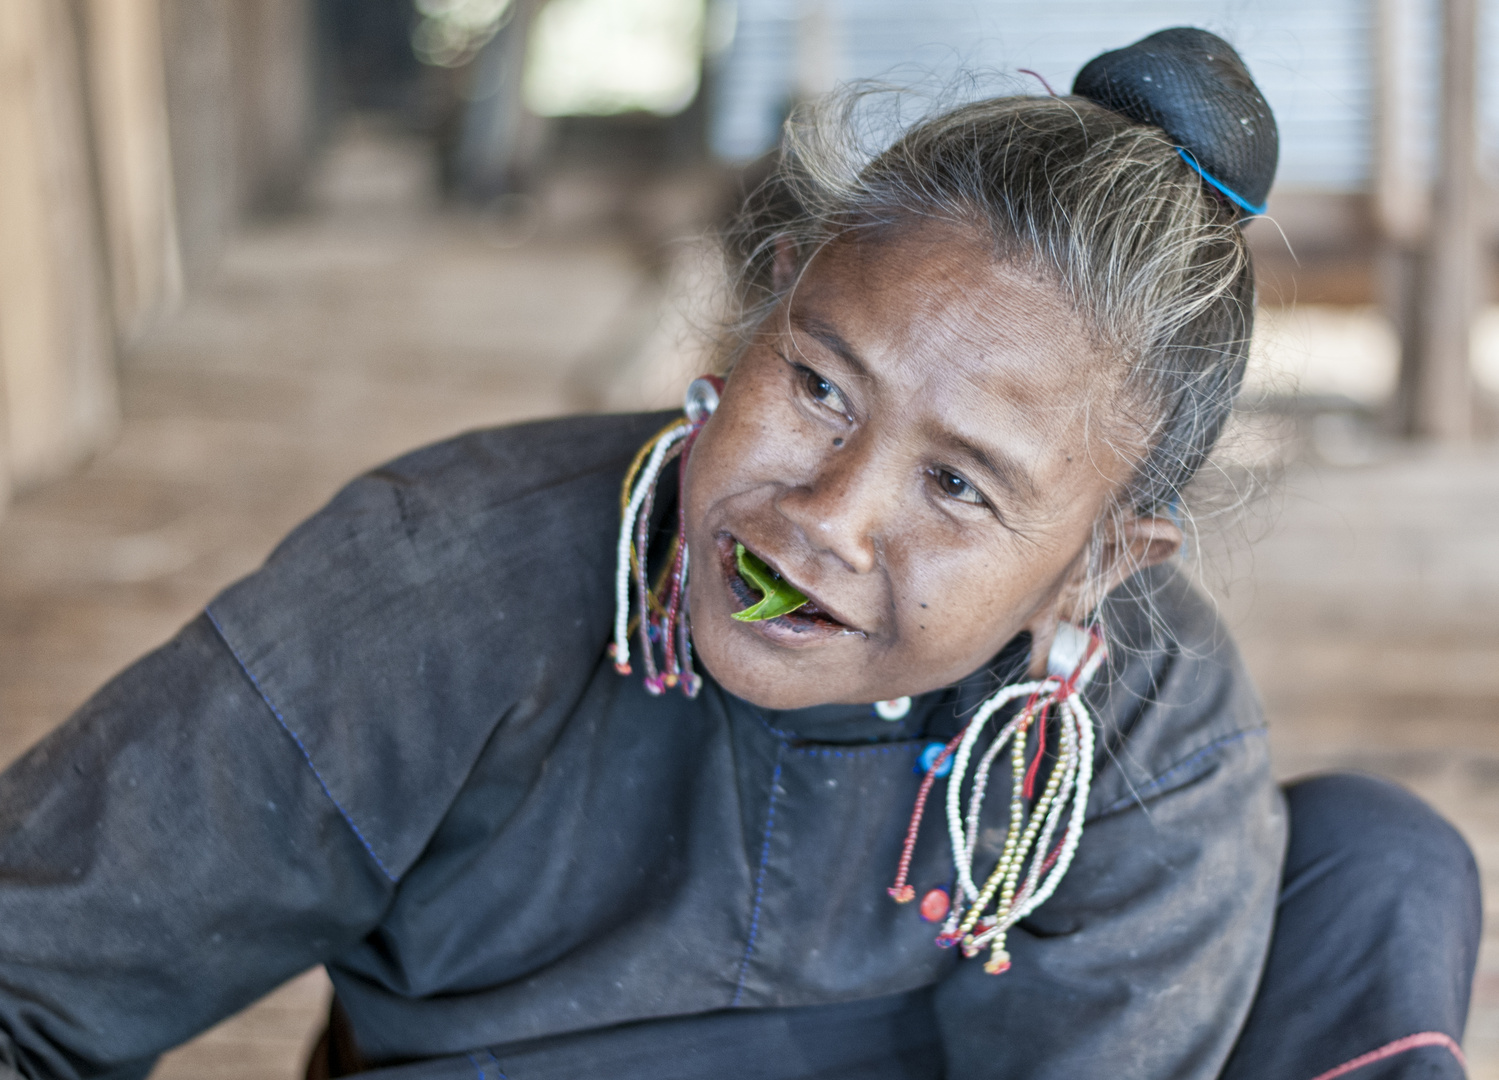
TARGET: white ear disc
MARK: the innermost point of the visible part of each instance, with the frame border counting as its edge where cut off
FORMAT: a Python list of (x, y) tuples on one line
[(1067, 650), (702, 399), (894, 709)]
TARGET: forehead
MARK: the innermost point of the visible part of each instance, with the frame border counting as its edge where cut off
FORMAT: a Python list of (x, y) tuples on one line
[(940, 321)]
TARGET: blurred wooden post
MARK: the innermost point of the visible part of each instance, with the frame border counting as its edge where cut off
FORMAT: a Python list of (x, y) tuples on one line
[(241, 110), (274, 99), (1402, 203), (199, 66), (127, 91), (1441, 399), (817, 58), (501, 140), (57, 387)]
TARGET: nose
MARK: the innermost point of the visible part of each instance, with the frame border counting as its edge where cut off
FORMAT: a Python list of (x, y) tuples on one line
[(838, 508)]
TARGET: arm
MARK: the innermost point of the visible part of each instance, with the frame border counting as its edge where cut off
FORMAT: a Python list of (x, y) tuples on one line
[(239, 805), (166, 857), (1144, 963)]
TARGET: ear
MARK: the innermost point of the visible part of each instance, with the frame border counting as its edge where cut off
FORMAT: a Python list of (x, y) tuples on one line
[(1139, 543), (1128, 547), (783, 269)]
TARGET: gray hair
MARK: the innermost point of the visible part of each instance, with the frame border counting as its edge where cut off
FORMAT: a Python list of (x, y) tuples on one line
[(1103, 206)]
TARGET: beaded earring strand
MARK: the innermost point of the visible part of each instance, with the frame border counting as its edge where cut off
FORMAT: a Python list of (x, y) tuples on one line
[(662, 610), (1075, 657)]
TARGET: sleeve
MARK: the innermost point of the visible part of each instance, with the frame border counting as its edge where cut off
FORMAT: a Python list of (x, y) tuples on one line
[(241, 804), (166, 856), (1145, 962)]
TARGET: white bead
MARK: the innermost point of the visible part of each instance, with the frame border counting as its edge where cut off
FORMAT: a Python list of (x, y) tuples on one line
[(643, 484), (894, 709)]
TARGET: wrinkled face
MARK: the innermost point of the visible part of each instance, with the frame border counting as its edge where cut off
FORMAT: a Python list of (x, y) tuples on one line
[(915, 441)]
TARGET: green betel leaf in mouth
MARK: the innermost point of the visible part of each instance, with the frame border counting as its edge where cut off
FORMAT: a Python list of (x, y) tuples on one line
[(777, 597)]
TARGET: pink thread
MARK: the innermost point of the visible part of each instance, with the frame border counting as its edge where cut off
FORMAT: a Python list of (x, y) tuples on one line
[(901, 892), (672, 662), (1029, 790), (1399, 1046), (1039, 78)]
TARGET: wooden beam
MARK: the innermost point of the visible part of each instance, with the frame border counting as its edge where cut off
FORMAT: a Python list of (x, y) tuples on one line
[(1441, 398), (1402, 193), (500, 141), (274, 103), (198, 62), (127, 92), (56, 338), (1402, 199)]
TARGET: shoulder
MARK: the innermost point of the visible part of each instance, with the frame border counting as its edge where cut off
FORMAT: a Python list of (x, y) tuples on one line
[(474, 511), (526, 479), (1175, 705), (458, 587)]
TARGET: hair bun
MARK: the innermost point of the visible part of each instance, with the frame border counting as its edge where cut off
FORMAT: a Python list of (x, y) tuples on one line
[(1194, 85)]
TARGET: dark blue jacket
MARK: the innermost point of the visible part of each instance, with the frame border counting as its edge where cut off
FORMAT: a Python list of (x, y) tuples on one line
[(400, 750)]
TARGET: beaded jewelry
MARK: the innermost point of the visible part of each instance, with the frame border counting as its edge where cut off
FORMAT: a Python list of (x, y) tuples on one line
[(661, 616), (1075, 657)]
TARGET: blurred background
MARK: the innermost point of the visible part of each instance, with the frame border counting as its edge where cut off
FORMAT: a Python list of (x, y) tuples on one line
[(249, 248)]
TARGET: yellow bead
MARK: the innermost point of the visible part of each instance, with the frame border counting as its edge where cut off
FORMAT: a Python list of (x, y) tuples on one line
[(998, 962)]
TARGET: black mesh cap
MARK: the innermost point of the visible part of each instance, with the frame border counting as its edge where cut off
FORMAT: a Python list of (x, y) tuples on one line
[(1194, 85)]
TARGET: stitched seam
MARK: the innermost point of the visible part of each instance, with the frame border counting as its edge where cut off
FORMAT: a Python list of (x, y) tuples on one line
[(788, 737), (754, 930), (817, 751), (777, 732), (1399, 1046), (349, 821), (1160, 781)]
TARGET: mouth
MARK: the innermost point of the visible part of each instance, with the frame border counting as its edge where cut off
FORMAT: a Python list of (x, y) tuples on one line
[(811, 620)]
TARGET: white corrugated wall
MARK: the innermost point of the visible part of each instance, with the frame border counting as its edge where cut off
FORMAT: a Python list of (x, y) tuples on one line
[(1312, 58)]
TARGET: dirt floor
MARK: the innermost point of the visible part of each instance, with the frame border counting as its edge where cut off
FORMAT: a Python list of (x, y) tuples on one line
[(1364, 594)]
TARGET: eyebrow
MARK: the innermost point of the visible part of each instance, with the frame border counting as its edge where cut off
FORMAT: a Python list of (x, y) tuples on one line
[(815, 328), (1002, 468)]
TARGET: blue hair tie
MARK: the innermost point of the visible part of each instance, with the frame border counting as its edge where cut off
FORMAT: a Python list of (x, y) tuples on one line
[(1194, 87), (1228, 192)]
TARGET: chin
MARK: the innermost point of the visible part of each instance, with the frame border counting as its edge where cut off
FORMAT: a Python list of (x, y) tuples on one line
[(760, 687), (748, 663)]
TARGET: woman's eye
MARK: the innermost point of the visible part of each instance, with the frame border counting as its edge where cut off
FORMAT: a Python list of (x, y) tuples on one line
[(822, 391), (955, 487)]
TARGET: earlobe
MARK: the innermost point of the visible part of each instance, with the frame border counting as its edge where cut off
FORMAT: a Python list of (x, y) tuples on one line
[(1063, 605), (1043, 631)]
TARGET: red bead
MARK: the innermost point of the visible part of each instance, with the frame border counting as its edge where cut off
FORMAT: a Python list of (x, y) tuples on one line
[(902, 894), (935, 905)]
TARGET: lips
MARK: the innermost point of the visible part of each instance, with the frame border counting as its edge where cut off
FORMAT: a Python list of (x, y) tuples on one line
[(810, 618)]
